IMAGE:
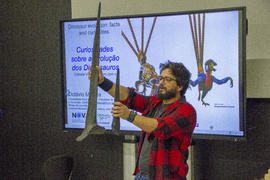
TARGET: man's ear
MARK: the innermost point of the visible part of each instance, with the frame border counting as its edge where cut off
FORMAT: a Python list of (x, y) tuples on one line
[(179, 88)]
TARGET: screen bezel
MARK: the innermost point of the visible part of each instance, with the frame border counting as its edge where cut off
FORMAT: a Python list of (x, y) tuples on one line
[(242, 68)]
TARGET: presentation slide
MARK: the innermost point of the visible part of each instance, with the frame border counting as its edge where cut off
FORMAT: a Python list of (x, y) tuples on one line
[(207, 45)]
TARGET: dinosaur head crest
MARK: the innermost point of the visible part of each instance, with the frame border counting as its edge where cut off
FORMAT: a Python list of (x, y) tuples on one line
[(209, 65)]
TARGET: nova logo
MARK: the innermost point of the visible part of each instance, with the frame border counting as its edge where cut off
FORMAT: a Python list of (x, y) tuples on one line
[(78, 115)]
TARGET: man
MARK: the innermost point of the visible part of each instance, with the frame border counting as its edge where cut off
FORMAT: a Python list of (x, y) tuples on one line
[(167, 123)]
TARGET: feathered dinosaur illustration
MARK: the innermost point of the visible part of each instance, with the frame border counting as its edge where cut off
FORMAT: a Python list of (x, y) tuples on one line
[(205, 80), (205, 77), (148, 78), (147, 74)]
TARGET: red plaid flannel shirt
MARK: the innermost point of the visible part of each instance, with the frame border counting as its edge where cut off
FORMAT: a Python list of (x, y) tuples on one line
[(169, 152)]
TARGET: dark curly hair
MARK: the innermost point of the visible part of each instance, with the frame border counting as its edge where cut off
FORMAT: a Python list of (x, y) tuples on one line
[(180, 72)]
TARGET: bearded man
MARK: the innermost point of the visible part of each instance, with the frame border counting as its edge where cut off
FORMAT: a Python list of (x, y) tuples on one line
[(167, 122)]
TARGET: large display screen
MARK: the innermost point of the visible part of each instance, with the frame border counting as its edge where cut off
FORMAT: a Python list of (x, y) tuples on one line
[(210, 43)]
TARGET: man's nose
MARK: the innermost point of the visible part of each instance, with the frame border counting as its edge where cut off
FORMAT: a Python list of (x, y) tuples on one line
[(161, 81)]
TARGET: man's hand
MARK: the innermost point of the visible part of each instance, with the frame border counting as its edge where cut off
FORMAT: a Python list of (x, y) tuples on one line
[(100, 74), (120, 110), (145, 123)]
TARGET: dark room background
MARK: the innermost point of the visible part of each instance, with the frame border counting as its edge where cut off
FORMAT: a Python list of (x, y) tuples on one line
[(31, 99)]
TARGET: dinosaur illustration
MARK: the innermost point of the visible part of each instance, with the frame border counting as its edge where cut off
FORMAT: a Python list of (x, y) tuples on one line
[(147, 75), (205, 79), (148, 78)]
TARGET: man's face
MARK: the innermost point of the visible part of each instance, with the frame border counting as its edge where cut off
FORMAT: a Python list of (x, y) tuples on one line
[(167, 85)]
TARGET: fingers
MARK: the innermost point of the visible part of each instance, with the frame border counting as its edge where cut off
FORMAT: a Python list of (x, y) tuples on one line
[(120, 110), (100, 74), (116, 109), (117, 104), (98, 68), (89, 73), (101, 77)]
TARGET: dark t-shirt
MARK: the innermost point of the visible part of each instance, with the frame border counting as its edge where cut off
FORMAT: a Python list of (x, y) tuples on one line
[(146, 148)]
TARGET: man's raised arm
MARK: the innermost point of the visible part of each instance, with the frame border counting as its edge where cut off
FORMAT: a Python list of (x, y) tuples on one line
[(108, 86)]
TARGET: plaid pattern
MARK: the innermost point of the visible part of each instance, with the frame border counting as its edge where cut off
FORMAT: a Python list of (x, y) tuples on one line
[(169, 152)]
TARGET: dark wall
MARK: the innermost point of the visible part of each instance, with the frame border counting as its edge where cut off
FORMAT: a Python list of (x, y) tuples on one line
[(30, 95), (31, 98), (243, 160)]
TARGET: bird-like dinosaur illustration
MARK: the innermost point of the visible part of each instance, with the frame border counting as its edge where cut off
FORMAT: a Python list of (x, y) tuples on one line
[(147, 75), (148, 78), (205, 78)]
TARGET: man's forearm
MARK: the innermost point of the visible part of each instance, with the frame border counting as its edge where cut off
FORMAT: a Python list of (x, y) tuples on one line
[(145, 123), (108, 86), (123, 92)]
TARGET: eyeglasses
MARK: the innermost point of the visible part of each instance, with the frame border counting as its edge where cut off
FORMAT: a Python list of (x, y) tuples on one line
[(166, 79)]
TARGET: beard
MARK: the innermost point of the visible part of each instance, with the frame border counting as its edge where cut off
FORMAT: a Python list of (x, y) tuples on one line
[(167, 95)]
